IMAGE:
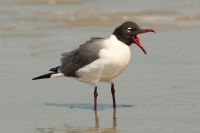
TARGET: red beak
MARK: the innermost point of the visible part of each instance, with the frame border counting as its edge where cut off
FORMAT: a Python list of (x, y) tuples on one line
[(137, 40)]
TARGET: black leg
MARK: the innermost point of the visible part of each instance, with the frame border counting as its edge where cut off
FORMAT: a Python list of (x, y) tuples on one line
[(95, 98), (113, 95)]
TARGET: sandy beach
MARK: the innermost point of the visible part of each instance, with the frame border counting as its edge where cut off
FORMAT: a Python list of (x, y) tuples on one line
[(158, 93)]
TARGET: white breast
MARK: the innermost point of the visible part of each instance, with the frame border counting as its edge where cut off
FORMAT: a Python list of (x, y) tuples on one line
[(114, 58)]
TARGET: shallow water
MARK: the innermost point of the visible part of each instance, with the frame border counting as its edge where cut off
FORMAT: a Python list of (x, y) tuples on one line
[(157, 93)]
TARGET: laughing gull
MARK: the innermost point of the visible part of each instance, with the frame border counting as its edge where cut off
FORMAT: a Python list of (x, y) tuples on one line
[(100, 59)]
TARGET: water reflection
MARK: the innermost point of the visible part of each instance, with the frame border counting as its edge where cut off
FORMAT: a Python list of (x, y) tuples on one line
[(67, 128), (114, 122)]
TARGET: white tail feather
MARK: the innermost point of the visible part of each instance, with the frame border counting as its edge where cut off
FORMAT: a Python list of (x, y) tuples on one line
[(57, 75)]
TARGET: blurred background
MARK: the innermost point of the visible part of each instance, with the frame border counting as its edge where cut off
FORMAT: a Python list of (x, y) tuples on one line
[(157, 93)]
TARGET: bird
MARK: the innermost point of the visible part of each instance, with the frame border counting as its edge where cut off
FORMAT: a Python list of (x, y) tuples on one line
[(100, 59)]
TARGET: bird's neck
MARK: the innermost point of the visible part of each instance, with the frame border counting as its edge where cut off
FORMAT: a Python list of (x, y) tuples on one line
[(121, 38)]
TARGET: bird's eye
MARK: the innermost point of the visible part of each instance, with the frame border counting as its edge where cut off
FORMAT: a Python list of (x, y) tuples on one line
[(129, 31)]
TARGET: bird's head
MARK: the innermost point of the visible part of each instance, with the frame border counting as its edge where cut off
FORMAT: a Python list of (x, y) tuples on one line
[(128, 33)]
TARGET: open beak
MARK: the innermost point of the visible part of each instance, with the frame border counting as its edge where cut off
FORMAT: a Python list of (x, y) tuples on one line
[(137, 40)]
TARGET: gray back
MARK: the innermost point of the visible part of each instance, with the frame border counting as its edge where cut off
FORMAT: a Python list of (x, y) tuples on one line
[(78, 58)]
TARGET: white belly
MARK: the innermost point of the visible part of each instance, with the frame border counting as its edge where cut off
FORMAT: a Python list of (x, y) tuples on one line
[(114, 58), (115, 62)]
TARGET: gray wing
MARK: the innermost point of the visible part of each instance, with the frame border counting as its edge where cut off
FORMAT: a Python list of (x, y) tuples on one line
[(78, 58)]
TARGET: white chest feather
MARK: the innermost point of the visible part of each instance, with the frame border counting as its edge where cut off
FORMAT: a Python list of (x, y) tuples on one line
[(114, 58), (115, 52)]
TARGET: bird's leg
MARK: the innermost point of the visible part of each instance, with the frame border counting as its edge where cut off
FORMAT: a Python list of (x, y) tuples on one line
[(113, 95), (95, 98)]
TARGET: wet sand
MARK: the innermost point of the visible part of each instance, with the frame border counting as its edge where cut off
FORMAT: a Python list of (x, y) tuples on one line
[(158, 93)]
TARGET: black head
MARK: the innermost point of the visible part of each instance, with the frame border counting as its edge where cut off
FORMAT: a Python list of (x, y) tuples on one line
[(127, 33)]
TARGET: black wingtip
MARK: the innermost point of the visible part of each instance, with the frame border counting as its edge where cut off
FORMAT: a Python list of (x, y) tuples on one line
[(45, 76), (36, 78), (55, 69)]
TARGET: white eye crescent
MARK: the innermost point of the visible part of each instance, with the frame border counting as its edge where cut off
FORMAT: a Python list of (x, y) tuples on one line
[(129, 30)]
